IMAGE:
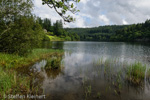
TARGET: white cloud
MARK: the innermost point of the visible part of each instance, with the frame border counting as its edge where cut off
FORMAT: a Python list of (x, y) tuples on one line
[(125, 22), (44, 11), (104, 19), (84, 1), (101, 12)]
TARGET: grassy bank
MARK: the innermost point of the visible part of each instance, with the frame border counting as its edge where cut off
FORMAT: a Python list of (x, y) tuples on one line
[(55, 38), (12, 82), (15, 61)]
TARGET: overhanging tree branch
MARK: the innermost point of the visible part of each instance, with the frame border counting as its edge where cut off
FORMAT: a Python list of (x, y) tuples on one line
[(62, 6)]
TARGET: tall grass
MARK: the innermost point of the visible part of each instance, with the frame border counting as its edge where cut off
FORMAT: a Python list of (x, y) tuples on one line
[(54, 62), (15, 61), (136, 72), (11, 82)]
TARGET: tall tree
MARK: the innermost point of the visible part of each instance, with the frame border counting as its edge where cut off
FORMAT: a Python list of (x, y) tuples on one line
[(11, 10), (19, 28)]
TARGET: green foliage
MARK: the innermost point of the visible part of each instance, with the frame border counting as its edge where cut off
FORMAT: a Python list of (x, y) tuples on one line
[(19, 31), (67, 38), (58, 28), (46, 24), (101, 33), (136, 73), (46, 38), (56, 32), (15, 61), (53, 63), (56, 63), (135, 32), (61, 7), (11, 83), (22, 37)]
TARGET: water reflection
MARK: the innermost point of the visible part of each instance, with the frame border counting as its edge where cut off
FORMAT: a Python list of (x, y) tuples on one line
[(99, 65), (57, 45), (47, 73), (46, 44), (124, 51)]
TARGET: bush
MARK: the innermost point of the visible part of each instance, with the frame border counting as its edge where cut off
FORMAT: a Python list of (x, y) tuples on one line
[(22, 37), (46, 38)]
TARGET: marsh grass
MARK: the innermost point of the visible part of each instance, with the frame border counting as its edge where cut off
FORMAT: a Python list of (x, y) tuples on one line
[(15, 61), (136, 73), (118, 74), (88, 90), (54, 62), (12, 81)]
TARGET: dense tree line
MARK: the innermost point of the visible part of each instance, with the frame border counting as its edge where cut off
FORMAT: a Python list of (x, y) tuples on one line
[(57, 29), (135, 32), (101, 33)]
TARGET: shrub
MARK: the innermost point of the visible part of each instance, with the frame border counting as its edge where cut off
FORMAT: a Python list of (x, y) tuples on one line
[(53, 63)]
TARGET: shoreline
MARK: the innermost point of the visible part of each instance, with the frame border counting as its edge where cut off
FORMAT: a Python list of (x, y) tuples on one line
[(13, 81)]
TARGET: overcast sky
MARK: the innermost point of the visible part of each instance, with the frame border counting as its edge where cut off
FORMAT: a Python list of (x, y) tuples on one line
[(101, 12)]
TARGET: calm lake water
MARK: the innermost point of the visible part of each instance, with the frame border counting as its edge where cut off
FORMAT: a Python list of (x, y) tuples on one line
[(95, 71)]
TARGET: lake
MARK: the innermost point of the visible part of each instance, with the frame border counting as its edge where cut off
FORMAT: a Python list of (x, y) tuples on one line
[(95, 71)]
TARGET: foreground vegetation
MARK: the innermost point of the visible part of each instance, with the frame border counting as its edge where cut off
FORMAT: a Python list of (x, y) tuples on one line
[(117, 75), (11, 83), (136, 73), (14, 82), (54, 62), (15, 61)]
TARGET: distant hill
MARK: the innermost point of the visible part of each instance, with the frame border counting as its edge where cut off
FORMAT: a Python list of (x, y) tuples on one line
[(134, 32), (96, 33)]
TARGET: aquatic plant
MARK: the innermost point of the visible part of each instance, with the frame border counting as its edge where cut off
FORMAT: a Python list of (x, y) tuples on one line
[(136, 73), (56, 63), (98, 95), (53, 63), (12, 83), (88, 90)]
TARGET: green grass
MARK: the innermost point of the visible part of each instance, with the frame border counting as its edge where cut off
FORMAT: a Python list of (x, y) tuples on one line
[(55, 38), (15, 61), (11, 82), (54, 62), (136, 73)]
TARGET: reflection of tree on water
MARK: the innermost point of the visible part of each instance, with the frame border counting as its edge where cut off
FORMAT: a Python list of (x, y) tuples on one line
[(46, 44), (53, 73), (57, 45)]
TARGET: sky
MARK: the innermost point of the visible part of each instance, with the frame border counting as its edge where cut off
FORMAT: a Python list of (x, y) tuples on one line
[(94, 13)]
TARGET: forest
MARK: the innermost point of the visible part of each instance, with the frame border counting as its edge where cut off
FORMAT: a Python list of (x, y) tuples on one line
[(120, 33), (21, 31), (57, 30)]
